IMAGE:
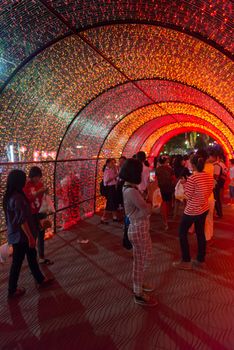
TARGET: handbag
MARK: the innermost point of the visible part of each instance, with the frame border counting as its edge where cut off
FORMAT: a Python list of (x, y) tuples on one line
[(103, 190), (179, 191)]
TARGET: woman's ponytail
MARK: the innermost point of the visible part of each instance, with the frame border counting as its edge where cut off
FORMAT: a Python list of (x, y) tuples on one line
[(198, 162)]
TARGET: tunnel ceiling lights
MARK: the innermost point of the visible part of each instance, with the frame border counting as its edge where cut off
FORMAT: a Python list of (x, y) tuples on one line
[(146, 130), (28, 26), (121, 134), (156, 141), (69, 74)]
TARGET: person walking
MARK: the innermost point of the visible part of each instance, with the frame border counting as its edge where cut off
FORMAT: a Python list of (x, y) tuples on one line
[(138, 212), (20, 229), (198, 189)]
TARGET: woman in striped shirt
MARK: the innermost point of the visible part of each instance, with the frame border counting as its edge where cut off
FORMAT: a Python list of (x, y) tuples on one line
[(198, 189)]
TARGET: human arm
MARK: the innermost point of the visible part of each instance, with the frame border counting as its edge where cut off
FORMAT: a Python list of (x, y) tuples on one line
[(140, 202), (42, 190), (217, 171), (19, 206), (33, 191), (27, 231), (189, 188)]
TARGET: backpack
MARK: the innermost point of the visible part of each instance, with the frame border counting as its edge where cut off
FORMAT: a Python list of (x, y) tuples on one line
[(103, 191), (126, 243), (222, 176)]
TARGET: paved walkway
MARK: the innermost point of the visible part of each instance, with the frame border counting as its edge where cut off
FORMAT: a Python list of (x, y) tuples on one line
[(90, 306)]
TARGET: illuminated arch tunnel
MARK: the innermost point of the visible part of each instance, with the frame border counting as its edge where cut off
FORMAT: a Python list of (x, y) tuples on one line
[(129, 78)]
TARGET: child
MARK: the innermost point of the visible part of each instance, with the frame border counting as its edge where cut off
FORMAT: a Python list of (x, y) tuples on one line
[(34, 191)]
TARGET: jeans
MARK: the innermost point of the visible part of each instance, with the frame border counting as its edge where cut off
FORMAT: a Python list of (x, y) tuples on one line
[(19, 252), (199, 223), (218, 203)]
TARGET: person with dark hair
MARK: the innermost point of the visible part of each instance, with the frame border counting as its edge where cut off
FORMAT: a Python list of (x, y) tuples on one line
[(198, 189), (110, 175), (34, 191), (166, 183), (181, 173), (219, 183), (138, 213), (20, 229), (120, 184), (179, 167), (145, 176)]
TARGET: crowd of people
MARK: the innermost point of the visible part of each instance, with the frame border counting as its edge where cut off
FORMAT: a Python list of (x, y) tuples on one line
[(195, 183), (201, 178)]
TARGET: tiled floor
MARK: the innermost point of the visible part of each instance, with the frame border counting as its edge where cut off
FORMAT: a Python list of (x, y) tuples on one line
[(90, 306)]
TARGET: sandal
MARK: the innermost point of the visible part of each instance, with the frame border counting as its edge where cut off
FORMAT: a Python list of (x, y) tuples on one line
[(45, 262)]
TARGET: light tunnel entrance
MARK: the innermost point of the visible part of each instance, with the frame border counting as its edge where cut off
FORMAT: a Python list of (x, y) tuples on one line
[(68, 119)]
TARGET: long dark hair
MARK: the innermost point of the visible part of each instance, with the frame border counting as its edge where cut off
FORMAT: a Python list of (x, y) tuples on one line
[(15, 183), (131, 171), (198, 162), (106, 164)]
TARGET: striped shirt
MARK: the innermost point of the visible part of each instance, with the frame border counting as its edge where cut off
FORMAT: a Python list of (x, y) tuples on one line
[(198, 189)]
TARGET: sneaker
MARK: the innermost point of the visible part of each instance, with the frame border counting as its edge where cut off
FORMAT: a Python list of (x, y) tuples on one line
[(145, 300), (182, 265), (18, 293), (198, 264), (148, 288), (166, 227)]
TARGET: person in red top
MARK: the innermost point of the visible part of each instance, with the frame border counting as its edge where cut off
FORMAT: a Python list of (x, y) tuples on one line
[(198, 189), (34, 191)]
